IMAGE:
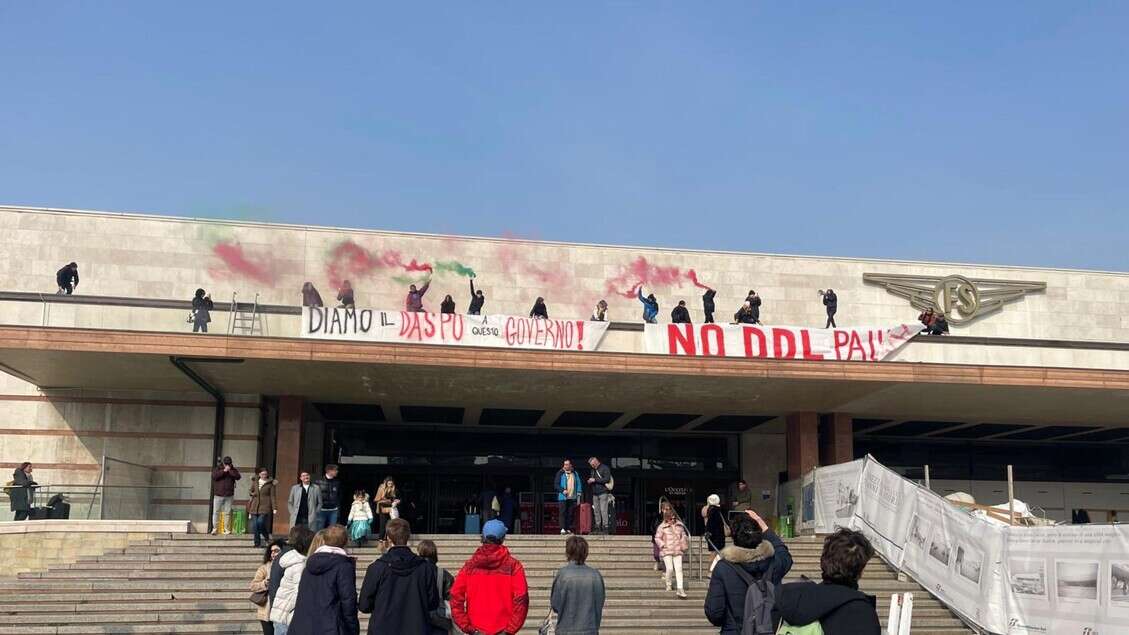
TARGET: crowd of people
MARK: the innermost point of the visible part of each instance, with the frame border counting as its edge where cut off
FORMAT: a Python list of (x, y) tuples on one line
[(748, 313), (307, 584)]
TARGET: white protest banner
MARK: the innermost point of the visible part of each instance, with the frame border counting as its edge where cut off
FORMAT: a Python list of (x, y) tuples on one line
[(884, 508), (836, 494), (957, 557), (1067, 579), (451, 329), (870, 344)]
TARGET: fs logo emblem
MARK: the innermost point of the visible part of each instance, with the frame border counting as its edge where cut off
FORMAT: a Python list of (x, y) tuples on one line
[(960, 299)]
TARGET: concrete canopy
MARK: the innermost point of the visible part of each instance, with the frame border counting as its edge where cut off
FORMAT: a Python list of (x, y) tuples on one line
[(350, 372)]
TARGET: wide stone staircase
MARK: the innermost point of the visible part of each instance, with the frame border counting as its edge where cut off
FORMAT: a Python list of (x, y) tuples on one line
[(196, 583)]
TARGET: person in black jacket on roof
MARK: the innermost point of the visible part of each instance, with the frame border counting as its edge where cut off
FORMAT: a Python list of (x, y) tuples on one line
[(477, 299), (400, 589), (680, 314), (837, 604), (708, 305), (760, 554), (67, 279)]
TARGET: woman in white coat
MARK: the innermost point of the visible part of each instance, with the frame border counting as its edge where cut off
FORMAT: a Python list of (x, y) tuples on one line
[(293, 562)]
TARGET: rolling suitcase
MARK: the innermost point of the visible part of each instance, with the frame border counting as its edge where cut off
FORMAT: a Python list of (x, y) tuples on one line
[(472, 524), (584, 519)]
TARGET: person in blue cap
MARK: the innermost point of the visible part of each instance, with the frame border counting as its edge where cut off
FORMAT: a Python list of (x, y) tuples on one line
[(490, 593)]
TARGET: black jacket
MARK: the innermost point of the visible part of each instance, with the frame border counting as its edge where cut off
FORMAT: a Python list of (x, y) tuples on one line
[(602, 474), (831, 301), (755, 301), (327, 597), (840, 610), (539, 310), (65, 275), (20, 492), (475, 301), (715, 526), (276, 572), (400, 590), (447, 307), (707, 301), (725, 599), (330, 492), (680, 315)]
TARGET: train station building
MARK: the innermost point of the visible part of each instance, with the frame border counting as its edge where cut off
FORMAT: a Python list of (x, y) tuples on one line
[(111, 396)]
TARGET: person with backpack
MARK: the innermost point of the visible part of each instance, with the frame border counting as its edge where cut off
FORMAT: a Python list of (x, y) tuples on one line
[(742, 588), (673, 539), (835, 607), (440, 618)]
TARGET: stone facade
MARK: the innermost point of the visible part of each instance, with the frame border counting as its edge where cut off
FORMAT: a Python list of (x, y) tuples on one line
[(157, 257)]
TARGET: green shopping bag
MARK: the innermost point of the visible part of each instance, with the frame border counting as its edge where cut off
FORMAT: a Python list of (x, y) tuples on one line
[(239, 521)]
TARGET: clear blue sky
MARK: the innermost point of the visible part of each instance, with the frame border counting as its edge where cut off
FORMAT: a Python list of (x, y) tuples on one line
[(983, 132)]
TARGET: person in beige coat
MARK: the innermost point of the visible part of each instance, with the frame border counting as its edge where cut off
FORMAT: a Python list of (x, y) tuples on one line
[(260, 584), (263, 505), (387, 499)]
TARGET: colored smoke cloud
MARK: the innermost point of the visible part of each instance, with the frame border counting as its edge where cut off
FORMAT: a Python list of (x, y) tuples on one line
[(238, 263), (348, 259), (454, 267), (642, 273)]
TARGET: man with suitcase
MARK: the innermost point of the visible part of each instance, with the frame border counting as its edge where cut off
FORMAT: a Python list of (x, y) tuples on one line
[(602, 484)]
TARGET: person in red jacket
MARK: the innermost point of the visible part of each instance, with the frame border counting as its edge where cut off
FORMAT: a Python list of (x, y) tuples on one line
[(490, 596)]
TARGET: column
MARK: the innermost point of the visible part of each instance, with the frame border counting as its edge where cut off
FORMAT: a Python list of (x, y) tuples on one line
[(287, 455), (836, 438), (802, 432)]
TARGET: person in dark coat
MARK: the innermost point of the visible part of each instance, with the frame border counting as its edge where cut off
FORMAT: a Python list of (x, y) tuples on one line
[(201, 311), (744, 315), (447, 305), (715, 523), (345, 296), (680, 314), (310, 295), (754, 301), (441, 622), (837, 604), (708, 305), (414, 302), (539, 310), (477, 299), (21, 490), (223, 493), (758, 552), (831, 303), (67, 279), (400, 589), (327, 592), (508, 503)]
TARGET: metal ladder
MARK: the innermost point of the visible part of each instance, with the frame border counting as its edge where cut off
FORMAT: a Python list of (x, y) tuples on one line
[(244, 322)]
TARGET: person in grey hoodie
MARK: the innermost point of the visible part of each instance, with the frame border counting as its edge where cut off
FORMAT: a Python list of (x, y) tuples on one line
[(837, 604), (578, 592)]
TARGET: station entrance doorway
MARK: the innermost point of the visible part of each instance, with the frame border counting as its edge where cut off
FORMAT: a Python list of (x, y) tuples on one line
[(445, 474)]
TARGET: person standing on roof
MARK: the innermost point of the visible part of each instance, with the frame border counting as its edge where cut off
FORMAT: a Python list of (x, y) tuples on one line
[(67, 279), (650, 306), (414, 301), (477, 299)]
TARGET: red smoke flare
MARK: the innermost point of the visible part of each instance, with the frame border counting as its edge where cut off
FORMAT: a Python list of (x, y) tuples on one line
[(237, 262), (640, 272), (693, 276)]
